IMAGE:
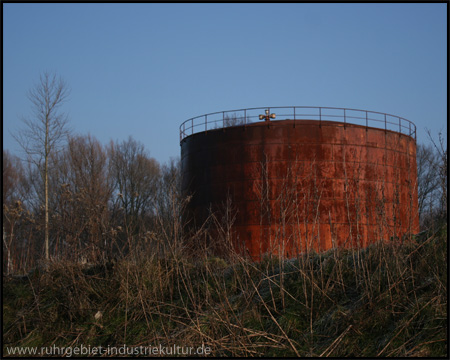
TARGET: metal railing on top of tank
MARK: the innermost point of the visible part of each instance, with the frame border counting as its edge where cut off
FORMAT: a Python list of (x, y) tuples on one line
[(229, 118)]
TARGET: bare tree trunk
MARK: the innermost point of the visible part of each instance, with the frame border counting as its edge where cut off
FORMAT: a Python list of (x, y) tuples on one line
[(45, 133), (47, 256), (8, 253), (9, 263), (8, 249)]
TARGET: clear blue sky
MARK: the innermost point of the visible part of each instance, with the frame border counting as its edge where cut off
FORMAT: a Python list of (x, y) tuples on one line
[(142, 69)]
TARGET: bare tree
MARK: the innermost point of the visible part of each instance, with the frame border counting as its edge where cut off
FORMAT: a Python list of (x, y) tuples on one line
[(234, 120), (79, 202), (135, 177), (15, 184), (14, 190), (169, 201), (441, 149), (428, 181), (45, 131)]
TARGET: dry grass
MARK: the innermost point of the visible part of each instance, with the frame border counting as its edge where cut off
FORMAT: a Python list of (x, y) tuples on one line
[(385, 300)]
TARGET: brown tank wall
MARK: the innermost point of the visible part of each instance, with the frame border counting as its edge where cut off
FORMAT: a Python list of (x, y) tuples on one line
[(300, 185)]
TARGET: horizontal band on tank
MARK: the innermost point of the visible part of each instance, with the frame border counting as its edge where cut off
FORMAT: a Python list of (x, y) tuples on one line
[(301, 225), (201, 205), (282, 179), (318, 146), (359, 169), (351, 215), (291, 145), (390, 225), (330, 170)]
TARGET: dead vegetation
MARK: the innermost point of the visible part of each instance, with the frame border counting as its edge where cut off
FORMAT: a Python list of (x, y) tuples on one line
[(385, 300)]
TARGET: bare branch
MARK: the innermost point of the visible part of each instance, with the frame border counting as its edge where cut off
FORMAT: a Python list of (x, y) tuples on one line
[(44, 133)]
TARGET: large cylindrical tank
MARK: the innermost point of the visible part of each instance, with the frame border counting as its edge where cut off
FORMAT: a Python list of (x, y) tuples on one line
[(291, 185)]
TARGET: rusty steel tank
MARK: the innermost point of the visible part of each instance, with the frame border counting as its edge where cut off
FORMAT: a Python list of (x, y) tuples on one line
[(285, 180)]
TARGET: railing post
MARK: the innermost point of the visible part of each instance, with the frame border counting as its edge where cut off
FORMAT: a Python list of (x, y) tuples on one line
[(385, 124), (192, 126), (400, 125), (206, 123), (223, 119), (294, 116), (320, 116), (345, 120), (367, 121)]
